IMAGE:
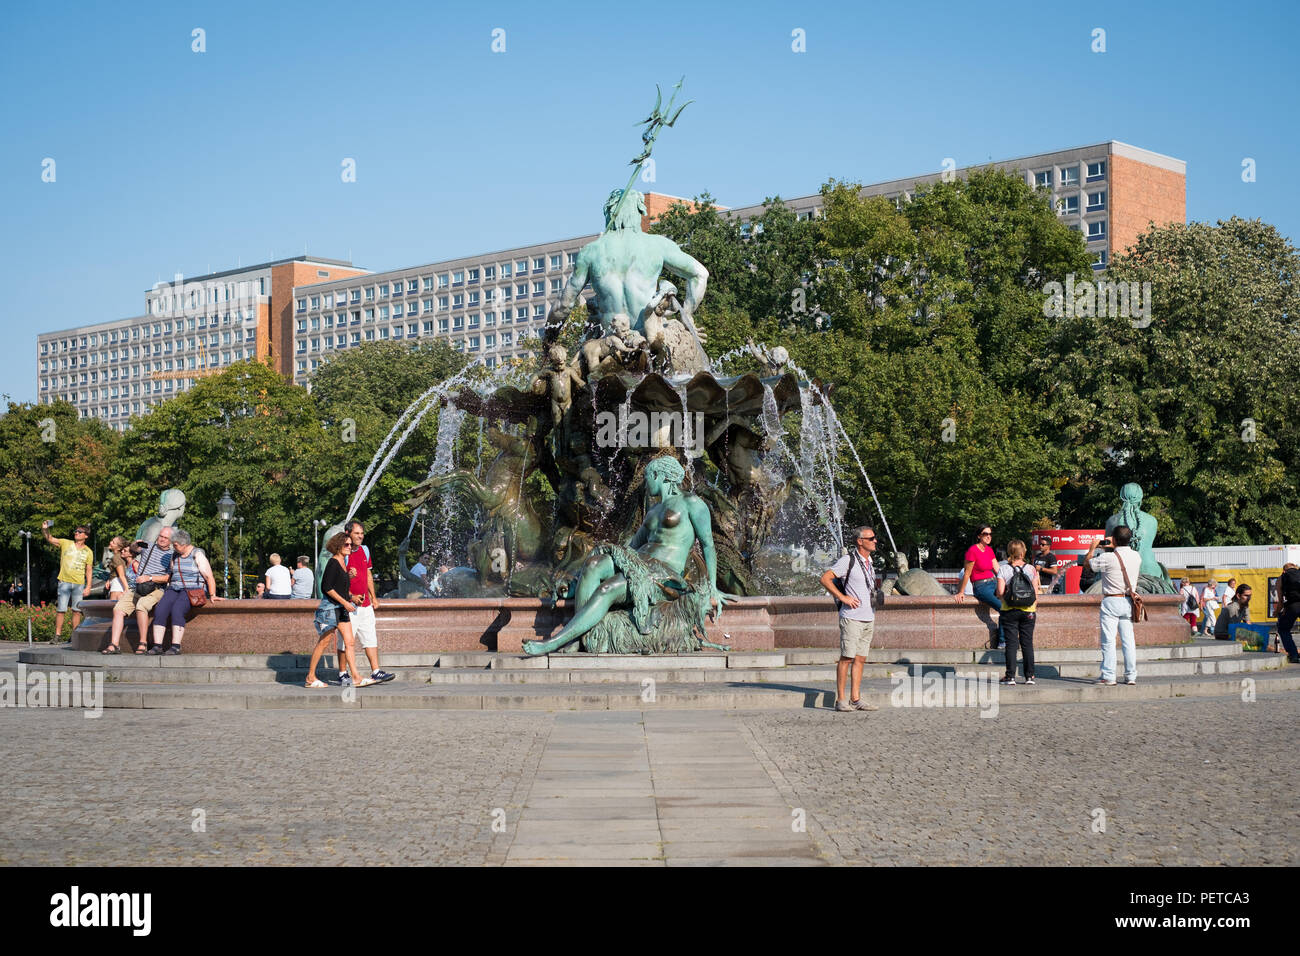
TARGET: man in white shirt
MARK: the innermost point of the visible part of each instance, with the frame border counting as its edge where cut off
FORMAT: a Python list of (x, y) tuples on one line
[(279, 580), (851, 581), (1116, 610), (304, 582)]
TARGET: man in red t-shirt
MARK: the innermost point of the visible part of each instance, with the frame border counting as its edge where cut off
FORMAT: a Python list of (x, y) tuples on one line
[(362, 588)]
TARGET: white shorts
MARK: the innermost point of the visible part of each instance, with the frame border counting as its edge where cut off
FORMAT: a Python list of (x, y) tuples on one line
[(363, 627)]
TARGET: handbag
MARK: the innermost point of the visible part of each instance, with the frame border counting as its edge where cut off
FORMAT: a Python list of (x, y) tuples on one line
[(1139, 609), (145, 588), (198, 596)]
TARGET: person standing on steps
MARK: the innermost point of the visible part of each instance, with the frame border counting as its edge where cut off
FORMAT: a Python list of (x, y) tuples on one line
[(362, 594), (982, 572), (1018, 590), (1118, 568), (851, 581), (1288, 608), (75, 567)]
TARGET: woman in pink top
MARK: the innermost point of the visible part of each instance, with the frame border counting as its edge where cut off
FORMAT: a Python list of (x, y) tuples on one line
[(982, 572)]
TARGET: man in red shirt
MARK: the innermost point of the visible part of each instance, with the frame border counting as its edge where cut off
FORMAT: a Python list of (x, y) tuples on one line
[(362, 588)]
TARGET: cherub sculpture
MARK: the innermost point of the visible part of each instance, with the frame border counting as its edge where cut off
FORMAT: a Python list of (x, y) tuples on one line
[(559, 382)]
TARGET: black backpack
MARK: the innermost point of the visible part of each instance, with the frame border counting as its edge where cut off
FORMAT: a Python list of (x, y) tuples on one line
[(1020, 590)]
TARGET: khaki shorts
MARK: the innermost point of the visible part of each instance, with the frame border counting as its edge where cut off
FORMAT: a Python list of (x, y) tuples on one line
[(125, 603), (855, 637), (150, 600)]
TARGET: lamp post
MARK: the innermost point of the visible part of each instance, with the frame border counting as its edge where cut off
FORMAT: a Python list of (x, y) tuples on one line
[(316, 525), (226, 510), (28, 536), (240, 519)]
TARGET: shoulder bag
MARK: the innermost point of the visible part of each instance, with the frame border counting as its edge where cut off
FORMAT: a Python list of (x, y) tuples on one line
[(198, 596), (1139, 609)]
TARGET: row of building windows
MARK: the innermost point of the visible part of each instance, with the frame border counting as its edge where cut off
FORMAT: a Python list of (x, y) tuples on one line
[(118, 336), (444, 280), (197, 295), (203, 360), (1069, 175), (1070, 204)]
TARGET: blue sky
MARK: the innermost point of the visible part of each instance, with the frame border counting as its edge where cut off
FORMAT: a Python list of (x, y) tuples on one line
[(172, 161)]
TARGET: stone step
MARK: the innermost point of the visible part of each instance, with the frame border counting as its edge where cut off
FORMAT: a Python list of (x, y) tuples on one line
[(1240, 663), (699, 695)]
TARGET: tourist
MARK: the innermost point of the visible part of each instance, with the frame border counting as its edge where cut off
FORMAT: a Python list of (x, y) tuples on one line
[(75, 567), (334, 614), (1226, 592), (279, 580), (121, 586), (981, 572), (189, 571), (1209, 603), (1045, 563), (362, 590), (1117, 567), (1191, 602), (422, 570), (851, 581), (1236, 611), (1017, 586), (154, 572), (303, 580), (17, 591), (1288, 608)]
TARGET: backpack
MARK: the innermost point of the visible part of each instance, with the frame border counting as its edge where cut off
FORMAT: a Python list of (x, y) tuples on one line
[(843, 583), (1020, 590)]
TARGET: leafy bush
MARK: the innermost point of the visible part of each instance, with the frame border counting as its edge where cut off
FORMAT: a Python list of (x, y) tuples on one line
[(13, 622)]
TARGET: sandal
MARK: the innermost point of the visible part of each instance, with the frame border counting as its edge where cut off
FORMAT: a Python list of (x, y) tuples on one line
[(316, 684), (142, 648), (111, 649)]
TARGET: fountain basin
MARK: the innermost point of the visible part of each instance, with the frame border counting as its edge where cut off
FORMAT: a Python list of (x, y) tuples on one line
[(255, 626)]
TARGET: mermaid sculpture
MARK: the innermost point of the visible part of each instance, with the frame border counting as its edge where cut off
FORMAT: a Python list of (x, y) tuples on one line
[(1153, 578), (636, 599)]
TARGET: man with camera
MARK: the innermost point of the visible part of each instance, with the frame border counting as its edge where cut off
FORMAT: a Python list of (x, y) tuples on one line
[(1117, 567), (852, 581), (75, 563), (150, 583)]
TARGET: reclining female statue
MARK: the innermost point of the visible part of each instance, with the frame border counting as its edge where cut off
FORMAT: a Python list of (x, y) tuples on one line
[(649, 572)]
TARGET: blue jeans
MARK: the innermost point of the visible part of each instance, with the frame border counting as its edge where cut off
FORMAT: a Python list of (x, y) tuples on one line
[(69, 597), (1116, 612), (986, 591)]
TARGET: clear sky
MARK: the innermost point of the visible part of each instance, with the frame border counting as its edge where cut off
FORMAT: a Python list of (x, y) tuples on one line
[(168, 160)]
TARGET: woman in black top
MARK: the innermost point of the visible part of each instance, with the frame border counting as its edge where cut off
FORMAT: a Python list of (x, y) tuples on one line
[(1288, 608), (335, 611)]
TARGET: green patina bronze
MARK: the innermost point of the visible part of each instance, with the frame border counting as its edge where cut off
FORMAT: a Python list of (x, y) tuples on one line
[(1154, 578)]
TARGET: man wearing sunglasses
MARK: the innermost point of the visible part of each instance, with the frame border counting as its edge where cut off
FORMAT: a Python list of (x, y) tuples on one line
[(851, 581), (75, 567)]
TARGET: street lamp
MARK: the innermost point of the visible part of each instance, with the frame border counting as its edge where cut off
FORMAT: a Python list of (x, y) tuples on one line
[(28, 536), (240, 519), (316, 525), (226, 510)]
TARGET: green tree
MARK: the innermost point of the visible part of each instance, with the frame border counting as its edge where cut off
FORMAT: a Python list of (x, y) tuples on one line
[(247, 429), (1199, 406), (53, 465)]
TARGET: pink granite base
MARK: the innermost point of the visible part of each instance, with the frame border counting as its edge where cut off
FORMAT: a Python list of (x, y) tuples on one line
[(757, 623)]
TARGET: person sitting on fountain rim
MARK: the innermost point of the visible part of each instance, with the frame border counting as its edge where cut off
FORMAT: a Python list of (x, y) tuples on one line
[(852, 581), (635, 577)]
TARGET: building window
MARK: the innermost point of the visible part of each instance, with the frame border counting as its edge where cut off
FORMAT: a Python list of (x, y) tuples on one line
[(397, 310), (505, 270), (302, 307), (521, 314), (442, 326), (1096, 201), (412, 286), (458, 278), (1096, 171), (521, 267), (472, 276), (1097, 230), (427, 283), (413, 328), (473, 320), (1043, 178), (539, 288), (1069, 204), (383, 290), (489, 341), (573, 259), (1069, 175), (489, 273), (539, 264), (1099, 260), (383, 312), (428, 328), (555, 285), (428, 305), (458, 300), (473, 298), (556, 260), (458, 322), (473, 343), (442, 281), (356, 295), (329, 300)]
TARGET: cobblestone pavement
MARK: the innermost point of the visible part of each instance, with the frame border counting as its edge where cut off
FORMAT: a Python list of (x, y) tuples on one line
[(1183, 782), (1208, 781)]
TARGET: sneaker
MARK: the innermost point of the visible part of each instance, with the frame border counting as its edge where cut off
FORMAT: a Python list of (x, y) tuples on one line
[(860, 704), (1131, 682), (173, 650), (1108, 683), (382, 677), (1029, 680), (843, 706), (1008, 681), (345, 680)]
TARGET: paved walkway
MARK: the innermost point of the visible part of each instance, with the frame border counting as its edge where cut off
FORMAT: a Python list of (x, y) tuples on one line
[(1182, 781)]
